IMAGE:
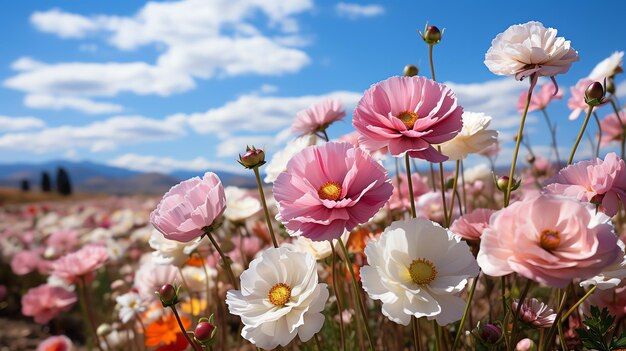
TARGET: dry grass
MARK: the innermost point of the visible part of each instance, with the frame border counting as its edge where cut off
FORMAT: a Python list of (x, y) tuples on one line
[(9, 196)]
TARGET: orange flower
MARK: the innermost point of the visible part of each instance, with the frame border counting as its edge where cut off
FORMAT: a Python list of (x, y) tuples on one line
[(195, 261), (166, 331)]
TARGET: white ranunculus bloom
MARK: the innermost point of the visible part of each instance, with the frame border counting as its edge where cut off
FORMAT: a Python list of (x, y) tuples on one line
[(129, 305), (608, 67), (280, 297), (478, 172), (417, 268), (529, 48), (239, 204), (278, 164), (318, 249), (473, 138), (171, 251), (611, 276)]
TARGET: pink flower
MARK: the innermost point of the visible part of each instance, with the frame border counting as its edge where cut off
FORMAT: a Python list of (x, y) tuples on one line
[(63, 240), (408, 114), (56, 343), (597, 181), (353, 138), (548, 239), (613, 299), (190, 206), (400, 199), (540, 99), (150, 277), (613, 127), (471, 225), (328, 189), (430, 206), (577, 103), (25, 262), (45, 302), (80, 264), (535, 312), (318, 117)]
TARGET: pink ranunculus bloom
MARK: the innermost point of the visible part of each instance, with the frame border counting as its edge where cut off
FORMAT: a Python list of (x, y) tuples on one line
[(613, 128), (576, 102), (328, 189), (601, 182), (548, 239), (400, 199), (81, 264), (63, 240), (45, 302), (25, 262), (56, 343), (190, 206), (430, 206), (540, 99), (471, 225), (408, 114), (318, 117)]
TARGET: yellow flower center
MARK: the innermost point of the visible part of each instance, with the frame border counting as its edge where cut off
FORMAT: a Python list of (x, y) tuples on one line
[(550, 239), (422, 271), (408, 118), (330, 191), (279, 294)]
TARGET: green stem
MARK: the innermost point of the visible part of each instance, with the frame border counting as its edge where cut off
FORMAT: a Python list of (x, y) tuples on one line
[(410, 182), (463, 186), (454, 184), (84, 306), (520, 302), (336, 291), (415, 324), (318, 344), (580, 135), (398, 179), (465, 312), (582, 299), (359, 301), (225, 259), (437, 335), (432, 65), (595, 116), (265, 211), (443, 194), (553, 135), (182, 328), (557, 320)]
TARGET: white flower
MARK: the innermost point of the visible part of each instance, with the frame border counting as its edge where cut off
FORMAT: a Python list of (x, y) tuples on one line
[(478, 172), (608, 67), (417, 268), (196, 279), (129, 305), (239, 204), (473, 138), (171, 251), (278, 164), (150, 277), (318, 249), (611, 276), (529, 48), (280, 297)]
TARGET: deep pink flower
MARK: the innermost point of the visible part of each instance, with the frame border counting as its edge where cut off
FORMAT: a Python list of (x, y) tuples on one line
[(613, 127), (45, 302), (548, 239), (471, 225), (576, 102), (80, 264), (597, 181), (540, 99), (56, 343), (318, 117), (25, 262), (535, 312), (408, 114), (190, 206), (330, 188), (400, 199)]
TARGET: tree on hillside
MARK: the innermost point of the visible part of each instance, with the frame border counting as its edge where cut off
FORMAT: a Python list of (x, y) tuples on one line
[(46, 184), (25, 185), (64, 185)]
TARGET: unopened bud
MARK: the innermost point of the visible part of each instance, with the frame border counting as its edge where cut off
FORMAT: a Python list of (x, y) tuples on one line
[(502, 183), (610, 86), (204, 332), (530, 159), (595, 90), (168, 295), (432, 35), (490, 334), (410, 70), (252, 158), (597, 199)]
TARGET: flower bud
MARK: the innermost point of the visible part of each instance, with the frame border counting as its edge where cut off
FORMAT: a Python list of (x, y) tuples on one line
[(503, 182), (597, 199), (490, 333), (204, 332), (610, 86), (410, 70), (595, 91), (168, 295), (431, 35), (530, 159), (104, 329), (252, 158)]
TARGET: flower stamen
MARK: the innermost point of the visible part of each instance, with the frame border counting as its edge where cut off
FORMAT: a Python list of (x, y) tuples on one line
[(422, 271), (408, 118), (550, 239), (279, 294), (330, 191)]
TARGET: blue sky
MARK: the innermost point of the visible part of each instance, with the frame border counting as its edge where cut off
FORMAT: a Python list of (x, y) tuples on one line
[(185, 85)]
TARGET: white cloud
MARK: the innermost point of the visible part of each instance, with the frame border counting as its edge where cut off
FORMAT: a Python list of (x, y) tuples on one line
[(8, 124), (145, 163), (233, 146), (54, 102), (354, 11), (98, 136), (65, 25)]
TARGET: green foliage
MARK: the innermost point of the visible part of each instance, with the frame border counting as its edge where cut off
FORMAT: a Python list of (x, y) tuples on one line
[(597, 333)]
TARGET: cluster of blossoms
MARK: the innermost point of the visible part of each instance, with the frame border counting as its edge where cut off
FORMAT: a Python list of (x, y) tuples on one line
[(428, 247)]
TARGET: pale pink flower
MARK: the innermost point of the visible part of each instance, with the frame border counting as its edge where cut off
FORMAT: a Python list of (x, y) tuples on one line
[(540, 99), (80, 264), (408, 114), (190, 206), (613, 299), (25, 261), (400, 199), (328, 189), (548, 239), (601, 182), (524, 345), (353, 138), (613, 127), (63, 240), (471, 225), (56, 343), (430, 206), (535, 312), (151, 276), (318, 117), (577, 102), (529, 48), (45, 302)]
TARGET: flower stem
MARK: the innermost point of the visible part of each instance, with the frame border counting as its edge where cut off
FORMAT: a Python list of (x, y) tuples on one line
[(465, 313), (553, 135), (516, 315), (415, 324), (582, 299), (595, 116), (443, 195), (432, 176), (430, 59), (557, 320), (437, 335), (336, 291), (580, 135), (410, 181), (398, 179), (507, 196), (318, 344), (84, 303), (182, 328), (463, 186), (267, 213), (225, 259), (357, 294), (454, 184)]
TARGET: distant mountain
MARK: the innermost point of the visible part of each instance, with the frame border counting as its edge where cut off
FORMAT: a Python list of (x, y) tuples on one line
[(94, 177)]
